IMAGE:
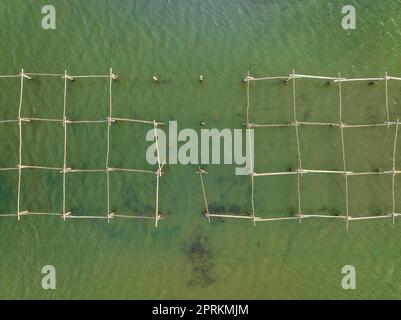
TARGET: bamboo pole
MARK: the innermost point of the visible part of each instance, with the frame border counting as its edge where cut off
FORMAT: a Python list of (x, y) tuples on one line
[(85, 217), (394, 78), (87, 121), (300, 76), (324, 171), (370, 173), (201, 172), (247, 100), (45, 74), (157, 216), (137, 120), (386, 91), (134, 217), (310, 171), (11, 76), (304, 171), (109, 122), (28, 213), (358, 79), (367, 125), (299, 197), (90, 76), (22, 75), (253, 198), (334, 79), (254, 125), (323, 216), (251, 151), (371, 218), (217, 215), (132, 170), (158, 174), (41, 168), (277, 219), (155, 124), (343, 152), (267, 174), (298, 146), (248, 78), (66, 78), (42, 119), (84, 170), (394, 171), (7, 121), (328, 124)]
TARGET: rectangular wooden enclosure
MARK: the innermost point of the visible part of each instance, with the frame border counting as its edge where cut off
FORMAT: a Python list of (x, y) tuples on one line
[(320, 152), (53, 150)]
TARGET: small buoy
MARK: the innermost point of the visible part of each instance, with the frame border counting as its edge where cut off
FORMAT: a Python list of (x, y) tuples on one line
[(156, 79), (201, 77)]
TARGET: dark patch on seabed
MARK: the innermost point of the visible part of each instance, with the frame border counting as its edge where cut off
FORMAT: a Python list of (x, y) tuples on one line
[(216, 208), (4, 191), (200, 255)]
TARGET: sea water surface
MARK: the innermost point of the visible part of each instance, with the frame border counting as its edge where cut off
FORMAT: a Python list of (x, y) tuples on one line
[(186, 257)]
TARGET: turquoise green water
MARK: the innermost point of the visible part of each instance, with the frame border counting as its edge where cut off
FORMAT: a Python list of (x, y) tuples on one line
[(186, 257)]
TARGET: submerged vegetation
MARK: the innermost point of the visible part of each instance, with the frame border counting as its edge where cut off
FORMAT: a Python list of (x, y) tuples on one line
[(199, 254)]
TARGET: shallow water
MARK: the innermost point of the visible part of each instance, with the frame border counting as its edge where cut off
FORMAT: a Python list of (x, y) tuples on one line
[(186, 257)]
